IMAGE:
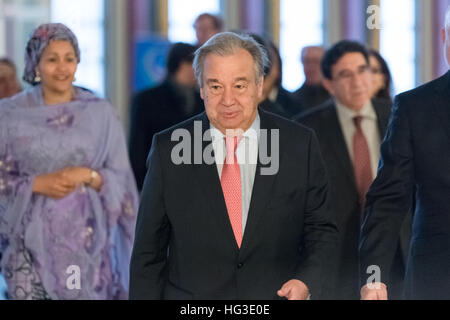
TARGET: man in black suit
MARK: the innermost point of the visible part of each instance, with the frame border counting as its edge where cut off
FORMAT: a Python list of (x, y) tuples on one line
[(341, 125), (415, 169), (159, 108), (312, 93), (226, 227)]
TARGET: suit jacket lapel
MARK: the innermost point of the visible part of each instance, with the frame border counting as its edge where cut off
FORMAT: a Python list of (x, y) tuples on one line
[(336, 140), (336, 136), (262, 186), (383, 112), (210, 183), (209, 180), (442, 102)]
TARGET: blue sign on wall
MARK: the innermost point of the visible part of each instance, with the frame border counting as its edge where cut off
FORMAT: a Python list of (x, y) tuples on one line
[(151, 53)]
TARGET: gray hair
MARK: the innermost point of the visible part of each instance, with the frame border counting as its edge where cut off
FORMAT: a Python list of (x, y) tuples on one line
[(226, 44)]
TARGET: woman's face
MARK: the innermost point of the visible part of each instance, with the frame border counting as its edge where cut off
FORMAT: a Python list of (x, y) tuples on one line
[(57, 67), (378, 78)]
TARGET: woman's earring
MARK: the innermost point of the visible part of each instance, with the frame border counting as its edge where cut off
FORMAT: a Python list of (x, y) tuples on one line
[(37, 79)]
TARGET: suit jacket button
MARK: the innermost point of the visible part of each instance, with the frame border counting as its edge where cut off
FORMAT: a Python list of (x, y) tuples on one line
[(240, 265)]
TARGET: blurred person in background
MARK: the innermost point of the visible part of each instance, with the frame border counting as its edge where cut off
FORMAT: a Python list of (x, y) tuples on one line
[(381, 76), (275, 98), (312, 93), (9, 84), (414, 173), (350, 128), (158, 108), (273, 92), (206, 25), (68, 198)]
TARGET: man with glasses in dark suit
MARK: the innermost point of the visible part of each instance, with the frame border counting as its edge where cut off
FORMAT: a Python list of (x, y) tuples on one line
[(350, 128)]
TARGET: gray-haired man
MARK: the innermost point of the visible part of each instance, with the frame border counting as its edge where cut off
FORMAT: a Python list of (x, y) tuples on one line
[(228, 228)]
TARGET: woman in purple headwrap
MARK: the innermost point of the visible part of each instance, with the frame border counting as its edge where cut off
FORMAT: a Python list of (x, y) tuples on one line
[(68, 198)]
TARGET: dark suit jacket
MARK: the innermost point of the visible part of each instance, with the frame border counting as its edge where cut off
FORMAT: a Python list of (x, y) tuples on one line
[(415, 165), (289, 104), (284, 105), (273, 107), (152, 111), (311, 96), (343, 280), (185, 247)]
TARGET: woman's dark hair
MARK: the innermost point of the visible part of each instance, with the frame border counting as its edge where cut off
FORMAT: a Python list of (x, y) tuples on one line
[(273, 49), (179, 53), (262, 41), (272, 53), (384, 93)]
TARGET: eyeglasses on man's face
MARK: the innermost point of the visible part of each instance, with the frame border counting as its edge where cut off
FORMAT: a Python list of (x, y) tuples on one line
[(347, 75)]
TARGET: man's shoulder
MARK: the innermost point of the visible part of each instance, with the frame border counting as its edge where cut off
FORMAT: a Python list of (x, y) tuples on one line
[(382, 105), (187, 125), (152, 93), (426, 90), (317, 114), (381, 102), (285, 94), (287, 126), (300, 90)]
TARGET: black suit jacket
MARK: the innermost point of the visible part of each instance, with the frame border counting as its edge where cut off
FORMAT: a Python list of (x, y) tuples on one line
[(310, 96), (289, 104), (273, 107), (185, 247), (284, 105), (152, 111), (415, 168), (343, 279)]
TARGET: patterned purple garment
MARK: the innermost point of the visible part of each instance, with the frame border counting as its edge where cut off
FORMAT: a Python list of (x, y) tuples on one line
[(42, 239)]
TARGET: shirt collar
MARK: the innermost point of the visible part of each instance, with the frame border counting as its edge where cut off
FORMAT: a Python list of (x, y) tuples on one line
[(217, 135), (367, 112)]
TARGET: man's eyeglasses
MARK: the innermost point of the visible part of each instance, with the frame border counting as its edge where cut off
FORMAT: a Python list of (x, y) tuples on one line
[(347, 75), (376, 71)]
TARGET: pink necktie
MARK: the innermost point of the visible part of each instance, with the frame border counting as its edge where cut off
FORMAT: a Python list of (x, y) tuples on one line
[(231, 187), (361, 161)]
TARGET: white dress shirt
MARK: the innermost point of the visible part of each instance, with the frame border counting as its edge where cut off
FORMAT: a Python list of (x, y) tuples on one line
[(369, 126), (247, 157)]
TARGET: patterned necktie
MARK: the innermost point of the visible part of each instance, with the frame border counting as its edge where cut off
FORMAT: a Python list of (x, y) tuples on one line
[(231, 187), (361, 161)]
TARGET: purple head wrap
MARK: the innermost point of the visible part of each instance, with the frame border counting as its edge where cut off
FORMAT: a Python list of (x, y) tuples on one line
[(40, 39)]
